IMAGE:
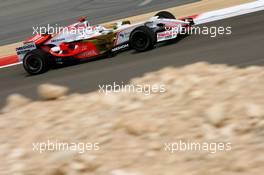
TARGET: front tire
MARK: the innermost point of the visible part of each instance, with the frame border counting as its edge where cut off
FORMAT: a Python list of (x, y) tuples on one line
[(165, 15), (142, 39), (36, 62)]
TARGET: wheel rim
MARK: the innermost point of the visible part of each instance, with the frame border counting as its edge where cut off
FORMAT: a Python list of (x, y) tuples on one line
[(34, 64), (140, 40)]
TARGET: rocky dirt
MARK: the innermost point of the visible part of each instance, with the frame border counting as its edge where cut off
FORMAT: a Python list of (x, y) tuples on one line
[(203, 103)]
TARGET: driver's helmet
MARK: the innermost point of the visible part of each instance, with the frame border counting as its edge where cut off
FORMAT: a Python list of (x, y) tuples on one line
[(84, 21)]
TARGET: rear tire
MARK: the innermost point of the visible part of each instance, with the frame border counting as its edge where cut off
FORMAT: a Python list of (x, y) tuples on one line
[(37, 62), (166, 15), (142, 39)]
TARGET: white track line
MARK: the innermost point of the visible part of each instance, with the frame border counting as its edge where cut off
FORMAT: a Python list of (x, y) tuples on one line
[(230, 12), (14, 64), (145, 2)]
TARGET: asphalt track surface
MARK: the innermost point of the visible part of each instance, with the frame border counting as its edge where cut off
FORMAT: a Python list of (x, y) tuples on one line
[(243, 48), (18, 17)]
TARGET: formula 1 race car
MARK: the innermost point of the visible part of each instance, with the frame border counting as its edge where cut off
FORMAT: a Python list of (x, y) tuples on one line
[(40, 52)]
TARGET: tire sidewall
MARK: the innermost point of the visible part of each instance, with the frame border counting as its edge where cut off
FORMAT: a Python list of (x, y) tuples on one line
[(42, 67), (149, 37), (134, 42), (166, 15)]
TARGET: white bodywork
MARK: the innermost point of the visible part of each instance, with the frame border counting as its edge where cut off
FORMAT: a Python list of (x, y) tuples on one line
[(123, 31)]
